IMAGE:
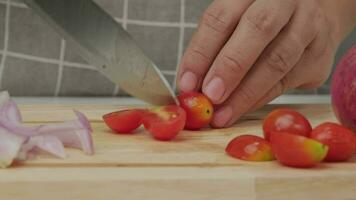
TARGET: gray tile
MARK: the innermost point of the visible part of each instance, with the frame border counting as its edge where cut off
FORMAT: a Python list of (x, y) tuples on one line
[(29, 34), (71, 54), (17, 1), (2, 25), (84, 82), (113, 7), (157, 10), (0, 57), (159, 43), (170, 79), (194, 9), (188, 33), (29, 78)]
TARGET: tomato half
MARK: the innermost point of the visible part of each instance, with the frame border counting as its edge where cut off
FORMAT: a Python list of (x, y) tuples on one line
[(164, 123), (296, 150), (339, 139), (286, 120), (251, 148), (124, 121), (199, 109)]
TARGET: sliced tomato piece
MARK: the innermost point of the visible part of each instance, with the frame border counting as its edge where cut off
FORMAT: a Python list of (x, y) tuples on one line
[(164, 123), (199, 109), (286, 120), (296, 150), (124, 121), (339, 139), (251, 148)]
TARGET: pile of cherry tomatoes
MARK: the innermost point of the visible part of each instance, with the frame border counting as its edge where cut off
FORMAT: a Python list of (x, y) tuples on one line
[(289, 138)]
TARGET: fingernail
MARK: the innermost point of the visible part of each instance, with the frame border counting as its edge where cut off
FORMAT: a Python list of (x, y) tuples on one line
[(188, 82), (222, 116), (215, 89)]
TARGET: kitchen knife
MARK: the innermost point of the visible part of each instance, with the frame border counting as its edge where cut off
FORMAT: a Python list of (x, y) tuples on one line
[(106, 45)]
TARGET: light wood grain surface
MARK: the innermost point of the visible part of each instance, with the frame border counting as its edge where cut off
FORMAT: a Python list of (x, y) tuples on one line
[(194, 166)]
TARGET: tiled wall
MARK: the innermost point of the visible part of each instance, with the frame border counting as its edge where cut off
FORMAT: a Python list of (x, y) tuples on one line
[(38, 62)]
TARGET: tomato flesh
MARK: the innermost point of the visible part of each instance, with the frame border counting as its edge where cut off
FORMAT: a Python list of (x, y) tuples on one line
[(164, 123), (199, 110), (296, 150), (286, 120), (124, 121), (250, 148), (339, 139)]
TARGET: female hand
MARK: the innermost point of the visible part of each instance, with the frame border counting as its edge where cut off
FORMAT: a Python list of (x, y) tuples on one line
[(247, 52)]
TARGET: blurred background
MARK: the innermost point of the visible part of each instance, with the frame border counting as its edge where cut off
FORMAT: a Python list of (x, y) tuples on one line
[(36, 61)]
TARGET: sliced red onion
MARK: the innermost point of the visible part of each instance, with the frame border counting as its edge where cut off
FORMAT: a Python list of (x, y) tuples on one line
[(10, 145), (75, 134), (4, 98), (12, 113), (20, 142), (46, 143), (10, 117)]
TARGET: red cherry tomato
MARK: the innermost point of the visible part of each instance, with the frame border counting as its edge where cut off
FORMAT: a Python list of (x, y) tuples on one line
[(199, 110), (296, 150), (355, 142), (339, 139), (251, 148), (164, 123), (124, 121), (286, 120)]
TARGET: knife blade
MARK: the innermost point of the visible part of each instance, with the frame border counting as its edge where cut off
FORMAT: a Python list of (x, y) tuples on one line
[(105, 44)]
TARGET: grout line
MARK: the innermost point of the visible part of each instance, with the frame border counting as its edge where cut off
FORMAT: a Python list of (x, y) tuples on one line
[(60, 68), (6, 39), (33, 58), (129, 21), (15, 4), (50, 61), (124, 25), (125, 14), (180, 42), (80, 65)]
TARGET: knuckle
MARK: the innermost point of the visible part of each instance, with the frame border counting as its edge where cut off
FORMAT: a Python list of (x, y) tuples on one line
[(216, 19), (263, 22), (197, 53), (232, 63), (279, 61), (247, 96)]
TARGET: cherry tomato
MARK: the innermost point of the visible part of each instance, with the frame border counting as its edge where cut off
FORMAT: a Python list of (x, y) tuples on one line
[(199, 110), (124, 121), (296, 150), (251, 148), (164, 123), (286, 120), (355, 142), (339, 139)]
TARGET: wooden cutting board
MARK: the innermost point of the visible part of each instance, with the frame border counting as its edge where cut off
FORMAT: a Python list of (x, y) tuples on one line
[(192, 167)]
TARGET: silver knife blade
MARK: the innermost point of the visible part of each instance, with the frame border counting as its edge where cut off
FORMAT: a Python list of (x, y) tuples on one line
[(106, 45)]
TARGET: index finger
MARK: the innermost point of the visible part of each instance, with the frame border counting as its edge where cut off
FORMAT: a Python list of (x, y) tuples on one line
[(215, 28), (259, 25)]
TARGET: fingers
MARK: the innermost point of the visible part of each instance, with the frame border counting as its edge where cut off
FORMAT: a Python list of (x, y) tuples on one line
[(314, 66), (276, 91), (260, 24), (272, 66), (216, 26)]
